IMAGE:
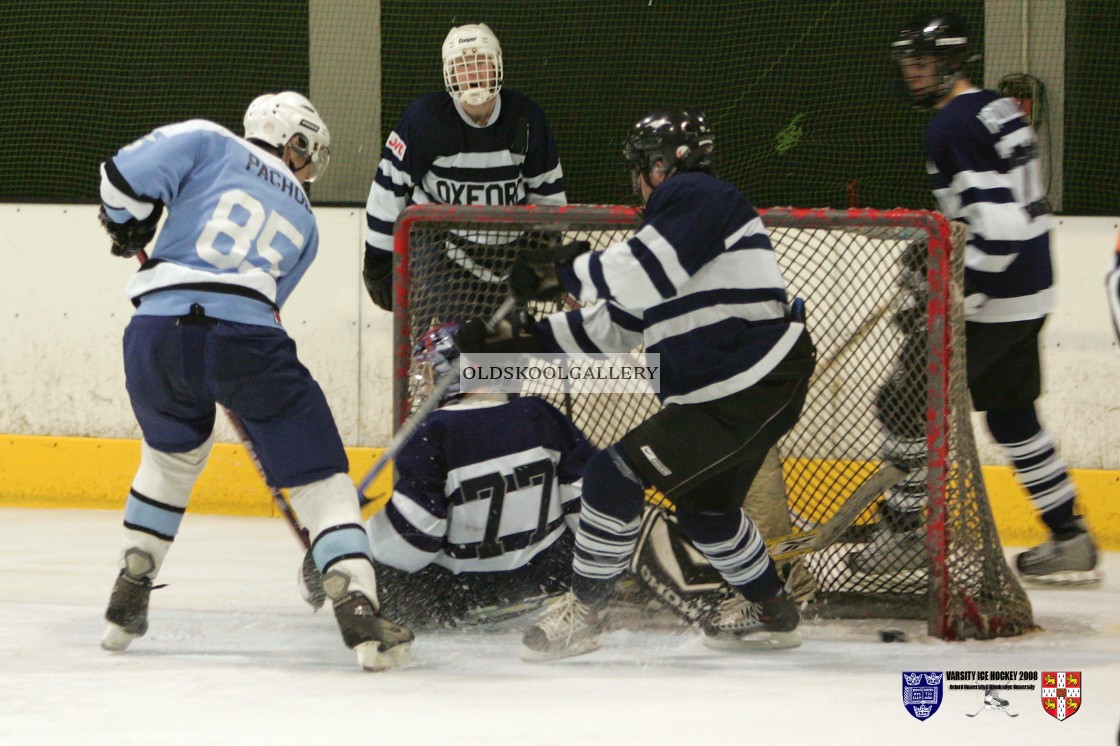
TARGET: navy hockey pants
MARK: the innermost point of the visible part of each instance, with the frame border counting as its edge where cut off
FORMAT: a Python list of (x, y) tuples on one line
[(177, 368)]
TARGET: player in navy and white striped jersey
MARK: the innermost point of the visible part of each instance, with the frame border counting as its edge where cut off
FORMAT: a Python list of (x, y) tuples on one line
[(484, 504), (239, 236), (698, 283), (982, 157), (475, 144)]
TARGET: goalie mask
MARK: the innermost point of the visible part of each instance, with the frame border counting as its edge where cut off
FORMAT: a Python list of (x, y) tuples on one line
[(681, 140), (931, 54), (472, 64), (434, 356), (288, 120)]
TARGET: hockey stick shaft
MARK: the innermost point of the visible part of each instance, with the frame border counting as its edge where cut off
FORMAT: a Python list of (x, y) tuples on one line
[(409, 426), (829, 532), (278, 498), (504, 612)]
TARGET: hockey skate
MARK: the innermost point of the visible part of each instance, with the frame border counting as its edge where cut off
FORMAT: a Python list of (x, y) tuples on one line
[(569, 628), (899, 545), (128, 611), (1067, 561), (378, 643), (738, 624), (992, 701)]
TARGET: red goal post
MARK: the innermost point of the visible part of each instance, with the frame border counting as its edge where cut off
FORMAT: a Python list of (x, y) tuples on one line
[(855, 270)]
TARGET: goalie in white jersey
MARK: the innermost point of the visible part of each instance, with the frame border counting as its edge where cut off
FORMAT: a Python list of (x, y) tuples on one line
[(485, 501), (476, 143), (238, 237), (983, 160)]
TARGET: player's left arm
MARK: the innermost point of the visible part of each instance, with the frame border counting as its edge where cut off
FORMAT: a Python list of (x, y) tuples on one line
[(144, 176), (542, 173), (681, 233), (409, 532)]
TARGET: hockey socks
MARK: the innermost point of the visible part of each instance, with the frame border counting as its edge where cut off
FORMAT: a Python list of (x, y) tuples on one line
[(734, 546), (609, 520), (1037, 464)]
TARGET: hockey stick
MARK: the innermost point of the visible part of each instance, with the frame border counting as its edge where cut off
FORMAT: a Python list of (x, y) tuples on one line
[(504, 612), (828, 533), (408, 427)]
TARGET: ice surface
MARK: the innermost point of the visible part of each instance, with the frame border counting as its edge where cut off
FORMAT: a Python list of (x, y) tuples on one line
[(234, 656)]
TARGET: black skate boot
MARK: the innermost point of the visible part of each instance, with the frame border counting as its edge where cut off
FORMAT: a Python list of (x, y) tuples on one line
[(378, 643)]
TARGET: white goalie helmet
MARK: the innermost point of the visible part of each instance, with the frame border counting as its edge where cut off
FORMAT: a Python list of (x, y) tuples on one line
[(472, 64), (289, 119)]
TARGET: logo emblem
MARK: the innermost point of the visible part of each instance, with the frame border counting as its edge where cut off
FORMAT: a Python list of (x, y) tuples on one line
[(921, 692), (1061, 693), (992, 701), (396, 145)]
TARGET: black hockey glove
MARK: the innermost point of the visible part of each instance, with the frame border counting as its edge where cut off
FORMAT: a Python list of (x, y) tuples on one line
[(378, 275), (554, 253), (510, 336), (532, 276), (132, 235)]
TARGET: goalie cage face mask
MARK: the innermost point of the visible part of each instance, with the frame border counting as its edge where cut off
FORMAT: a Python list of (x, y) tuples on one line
[(472, 64), (434, 356)]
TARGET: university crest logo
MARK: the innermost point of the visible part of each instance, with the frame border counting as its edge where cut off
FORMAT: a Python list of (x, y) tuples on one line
[(1061, 693), (921, 692)]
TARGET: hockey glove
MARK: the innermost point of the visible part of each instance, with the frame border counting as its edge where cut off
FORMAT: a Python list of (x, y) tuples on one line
[(533, 274), (554, 253), (378, 275), (132, 235), (510, 336)]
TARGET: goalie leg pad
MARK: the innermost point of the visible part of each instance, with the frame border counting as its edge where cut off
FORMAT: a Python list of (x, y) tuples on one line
[(672, 569)]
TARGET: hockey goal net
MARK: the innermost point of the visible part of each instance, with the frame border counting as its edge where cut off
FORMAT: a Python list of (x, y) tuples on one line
[(883, 299)]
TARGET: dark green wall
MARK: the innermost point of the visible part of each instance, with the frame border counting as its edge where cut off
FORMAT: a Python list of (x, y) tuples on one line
[(81, 79)]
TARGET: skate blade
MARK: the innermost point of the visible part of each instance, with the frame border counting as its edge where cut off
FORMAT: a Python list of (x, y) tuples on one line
[(1075, 579), (115, 638), (545, 656), (371, 658), (761, 641)]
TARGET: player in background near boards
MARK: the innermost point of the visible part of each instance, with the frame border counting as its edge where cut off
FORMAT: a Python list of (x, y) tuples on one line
[(982, 157)]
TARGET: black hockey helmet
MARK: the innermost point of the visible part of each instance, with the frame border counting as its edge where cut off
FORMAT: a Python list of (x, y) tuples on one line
[(682, 139), (942, 37)]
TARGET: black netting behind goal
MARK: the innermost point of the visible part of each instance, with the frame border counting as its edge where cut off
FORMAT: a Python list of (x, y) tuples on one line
[(883, 304), (804, 98)]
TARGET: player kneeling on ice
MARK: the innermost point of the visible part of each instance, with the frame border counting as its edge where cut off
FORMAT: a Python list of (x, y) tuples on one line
[(239, 236), (480, 525), (698, 283)]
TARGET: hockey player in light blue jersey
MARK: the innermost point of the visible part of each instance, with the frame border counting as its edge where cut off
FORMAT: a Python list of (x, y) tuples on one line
[(476, 143), (982, 157), (698, 283), (238, 237)]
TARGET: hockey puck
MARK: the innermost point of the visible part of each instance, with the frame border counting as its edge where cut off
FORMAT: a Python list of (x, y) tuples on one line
[(892, 635)]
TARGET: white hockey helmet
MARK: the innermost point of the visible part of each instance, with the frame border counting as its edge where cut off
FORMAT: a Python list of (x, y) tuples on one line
[(288, 119), (472, 64)]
